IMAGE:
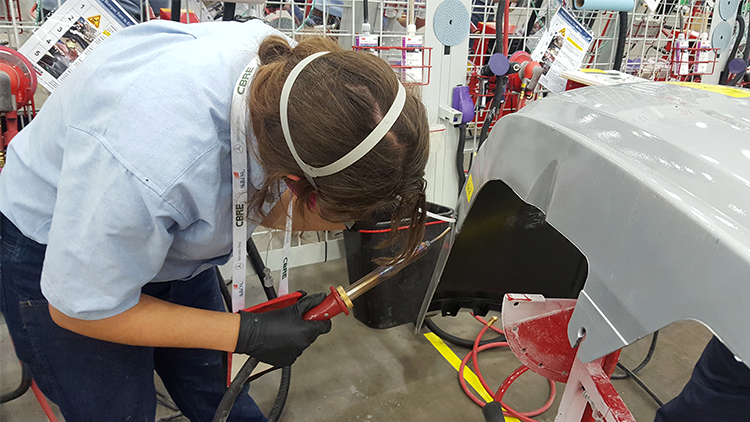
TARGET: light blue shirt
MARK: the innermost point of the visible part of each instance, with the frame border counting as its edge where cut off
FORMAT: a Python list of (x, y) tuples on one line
[(125, 174)]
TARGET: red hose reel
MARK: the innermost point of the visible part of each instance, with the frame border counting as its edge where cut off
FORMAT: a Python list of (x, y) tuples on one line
[(23, 83)]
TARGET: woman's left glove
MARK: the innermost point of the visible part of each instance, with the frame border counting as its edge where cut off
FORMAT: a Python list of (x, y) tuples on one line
[(278, 337)]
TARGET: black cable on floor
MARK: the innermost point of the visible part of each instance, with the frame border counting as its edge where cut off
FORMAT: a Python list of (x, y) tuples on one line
[(22, 387), (281, 396), (450, 338), (225, 406), (261, 373), (645, 360), (641, 384)]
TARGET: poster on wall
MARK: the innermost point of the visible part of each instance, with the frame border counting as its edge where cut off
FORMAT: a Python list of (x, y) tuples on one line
[(69, 35), (562, 48)]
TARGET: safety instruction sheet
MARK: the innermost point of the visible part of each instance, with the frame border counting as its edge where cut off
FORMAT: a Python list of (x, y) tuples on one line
[(69, 35), (562, 48)]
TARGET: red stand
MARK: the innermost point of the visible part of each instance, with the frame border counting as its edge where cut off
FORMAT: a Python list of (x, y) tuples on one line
[(537, 332)]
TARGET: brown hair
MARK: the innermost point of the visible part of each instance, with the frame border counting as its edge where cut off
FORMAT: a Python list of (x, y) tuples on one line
[(335, 103)]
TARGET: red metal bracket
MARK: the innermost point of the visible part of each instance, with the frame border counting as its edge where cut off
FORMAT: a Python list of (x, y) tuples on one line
[(537, 332)]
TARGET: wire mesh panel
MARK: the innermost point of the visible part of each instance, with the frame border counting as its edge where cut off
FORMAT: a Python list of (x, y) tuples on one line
[(668, 43)]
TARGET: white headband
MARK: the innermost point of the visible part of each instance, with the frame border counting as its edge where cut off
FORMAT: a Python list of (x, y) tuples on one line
[(355, 154)]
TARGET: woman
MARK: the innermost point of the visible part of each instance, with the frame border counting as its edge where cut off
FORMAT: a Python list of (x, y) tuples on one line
[(117, 205)]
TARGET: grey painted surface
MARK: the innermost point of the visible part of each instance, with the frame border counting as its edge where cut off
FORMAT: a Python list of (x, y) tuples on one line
[(651, 182)]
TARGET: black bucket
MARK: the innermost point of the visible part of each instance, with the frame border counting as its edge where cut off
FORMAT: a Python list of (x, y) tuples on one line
[(398, 299)]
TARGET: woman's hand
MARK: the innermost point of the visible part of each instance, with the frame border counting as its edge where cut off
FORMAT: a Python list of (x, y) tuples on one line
[(278, 337)]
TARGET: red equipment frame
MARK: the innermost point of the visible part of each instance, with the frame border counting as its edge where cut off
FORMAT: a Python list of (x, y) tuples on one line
[(537, 332)]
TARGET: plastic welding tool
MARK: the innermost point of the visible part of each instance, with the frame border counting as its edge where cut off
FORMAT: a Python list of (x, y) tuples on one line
[(340, 299)]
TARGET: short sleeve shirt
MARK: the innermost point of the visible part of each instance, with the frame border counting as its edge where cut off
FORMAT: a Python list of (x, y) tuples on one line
[(125, 173)]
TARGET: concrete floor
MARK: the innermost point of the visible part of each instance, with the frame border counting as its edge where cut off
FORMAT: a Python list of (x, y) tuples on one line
[(359, 374)]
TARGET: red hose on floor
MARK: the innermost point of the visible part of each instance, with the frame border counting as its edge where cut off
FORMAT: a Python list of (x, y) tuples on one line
[(524, 416), (43, 402)]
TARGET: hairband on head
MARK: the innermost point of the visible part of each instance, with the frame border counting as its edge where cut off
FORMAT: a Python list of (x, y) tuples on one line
[(355, 154)]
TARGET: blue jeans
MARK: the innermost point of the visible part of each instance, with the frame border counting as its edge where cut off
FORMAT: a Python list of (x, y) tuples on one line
[(94, 380), (718, 390)]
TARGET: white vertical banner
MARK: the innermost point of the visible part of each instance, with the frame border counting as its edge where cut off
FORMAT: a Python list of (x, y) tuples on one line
[(284, 282), (239, 124)]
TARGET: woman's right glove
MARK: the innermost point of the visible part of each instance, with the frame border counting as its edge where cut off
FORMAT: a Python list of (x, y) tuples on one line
[(278, 337)]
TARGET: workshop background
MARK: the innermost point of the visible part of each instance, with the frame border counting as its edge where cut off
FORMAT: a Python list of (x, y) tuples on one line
[(359, 373)]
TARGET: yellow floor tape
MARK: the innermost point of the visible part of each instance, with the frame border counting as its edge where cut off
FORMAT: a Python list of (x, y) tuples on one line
[(469, 375)]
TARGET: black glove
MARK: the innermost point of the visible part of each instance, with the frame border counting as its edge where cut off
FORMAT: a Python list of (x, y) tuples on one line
[(278, 337)]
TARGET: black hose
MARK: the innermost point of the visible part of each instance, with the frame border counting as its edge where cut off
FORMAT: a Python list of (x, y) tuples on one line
[(286, 372), (641, 384), (450, 338), (497, 100), (499, 27), (278, 405), (645, 360), (725, 73), (500, 80), (493, 412), (488, 118), (365, 12), (622, 38), (228, 13), (227, 402), (260, 268), (22, 388), (460, 157), (261, 373), (243, 376), (175, 15)]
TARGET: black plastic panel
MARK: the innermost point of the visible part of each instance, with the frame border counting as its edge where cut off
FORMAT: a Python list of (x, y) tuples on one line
[(506, 246)]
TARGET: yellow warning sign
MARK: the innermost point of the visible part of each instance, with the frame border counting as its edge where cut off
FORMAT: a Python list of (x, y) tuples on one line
[(562, 32), (95, 20), (469, 189)]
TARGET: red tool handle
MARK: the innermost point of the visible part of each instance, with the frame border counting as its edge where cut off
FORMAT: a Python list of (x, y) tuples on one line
[(273, 304), (331, 306)]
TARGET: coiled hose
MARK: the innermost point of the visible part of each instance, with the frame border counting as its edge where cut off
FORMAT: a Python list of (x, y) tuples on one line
[(243, 376), (22, 388)]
